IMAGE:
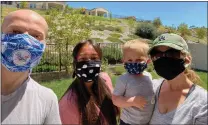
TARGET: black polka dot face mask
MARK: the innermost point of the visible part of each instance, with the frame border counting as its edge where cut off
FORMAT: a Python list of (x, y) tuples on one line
[(88, 71)]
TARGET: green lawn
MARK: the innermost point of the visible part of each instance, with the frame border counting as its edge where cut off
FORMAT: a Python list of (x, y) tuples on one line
[(60, 86)]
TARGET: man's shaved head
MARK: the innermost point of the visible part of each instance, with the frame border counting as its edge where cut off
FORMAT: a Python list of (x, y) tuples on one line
[(25, 21)]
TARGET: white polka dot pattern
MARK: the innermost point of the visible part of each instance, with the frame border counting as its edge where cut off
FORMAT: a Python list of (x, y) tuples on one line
[(88, 70)]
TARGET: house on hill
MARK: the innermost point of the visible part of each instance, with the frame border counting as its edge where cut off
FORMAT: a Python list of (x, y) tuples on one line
[(97, 12), (43, 5), (35, 4)]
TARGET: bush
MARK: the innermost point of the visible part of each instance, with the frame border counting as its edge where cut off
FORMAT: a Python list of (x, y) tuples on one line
[(117, 29), (114, 39), (112, 54), (132, 36), (45, 68), (97, 39), (146, 30), (100, 34), (115, 35), (110, 28), (127, 39), (99, 27), (119, 70), (157, 22), (150, 67)]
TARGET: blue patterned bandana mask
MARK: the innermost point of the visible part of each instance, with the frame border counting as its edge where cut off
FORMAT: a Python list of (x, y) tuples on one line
[(20, 52), (135, 68)]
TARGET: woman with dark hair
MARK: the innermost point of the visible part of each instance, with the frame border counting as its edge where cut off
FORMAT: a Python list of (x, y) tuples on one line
[(88, 101)]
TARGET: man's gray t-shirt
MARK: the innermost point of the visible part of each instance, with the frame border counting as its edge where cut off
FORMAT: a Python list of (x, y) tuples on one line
[(128, 85), (192, 111), (31, 103)]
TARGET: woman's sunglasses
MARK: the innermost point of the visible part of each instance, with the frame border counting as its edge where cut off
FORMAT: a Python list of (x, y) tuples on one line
[(172, 53)]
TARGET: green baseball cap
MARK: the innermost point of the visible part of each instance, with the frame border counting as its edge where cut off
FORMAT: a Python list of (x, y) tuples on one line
[(171, 40)]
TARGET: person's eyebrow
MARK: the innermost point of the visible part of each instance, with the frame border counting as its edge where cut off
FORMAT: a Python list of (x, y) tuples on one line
[(17, 27)]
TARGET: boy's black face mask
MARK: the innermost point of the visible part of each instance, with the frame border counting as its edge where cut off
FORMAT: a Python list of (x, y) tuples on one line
[(169, 68), (87, 71)]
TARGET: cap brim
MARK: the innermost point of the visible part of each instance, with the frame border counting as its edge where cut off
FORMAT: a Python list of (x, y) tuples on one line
[(171, 45)]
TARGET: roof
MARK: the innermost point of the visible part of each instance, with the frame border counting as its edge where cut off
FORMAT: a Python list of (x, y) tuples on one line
[(100, 9)]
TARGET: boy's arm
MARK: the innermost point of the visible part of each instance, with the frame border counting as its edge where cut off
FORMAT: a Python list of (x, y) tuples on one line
[(123, 102)]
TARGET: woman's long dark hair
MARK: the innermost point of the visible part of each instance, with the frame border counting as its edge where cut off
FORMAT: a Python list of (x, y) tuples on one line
[(100, 90)]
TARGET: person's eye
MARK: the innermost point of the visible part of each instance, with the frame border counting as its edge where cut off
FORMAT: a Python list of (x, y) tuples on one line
[(16, 32), (36, 36), (95, 58), (138, 60)]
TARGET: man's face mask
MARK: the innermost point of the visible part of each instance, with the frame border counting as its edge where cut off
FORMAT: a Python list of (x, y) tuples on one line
[(20, 52), (135, 68), (88, 71)]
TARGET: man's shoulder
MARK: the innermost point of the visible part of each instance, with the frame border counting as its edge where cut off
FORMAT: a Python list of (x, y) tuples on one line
[(41, 91)]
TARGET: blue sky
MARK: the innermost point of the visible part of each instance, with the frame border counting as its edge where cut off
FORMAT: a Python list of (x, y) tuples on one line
[(171, 13)]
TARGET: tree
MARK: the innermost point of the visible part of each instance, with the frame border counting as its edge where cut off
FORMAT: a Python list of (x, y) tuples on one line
[(161, 30), (157, 22), (146, 30), (24, 4), (200, 33), (184, 31), (65, 30), (170, 29)]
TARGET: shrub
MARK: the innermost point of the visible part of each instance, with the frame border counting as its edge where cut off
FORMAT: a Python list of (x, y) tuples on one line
[(97, 39), (45, 68), (100, 34), (99, 27), (201, 33), (116, 35), (132, 36), (157, 22), (110, 28), (127, 39), (150, 67), (118, 70), (113, 39), (119, 29), (183, 29), (112, 54), (146, 30)]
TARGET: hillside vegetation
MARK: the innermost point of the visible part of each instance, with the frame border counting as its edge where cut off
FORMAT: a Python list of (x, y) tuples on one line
[(121, 30)]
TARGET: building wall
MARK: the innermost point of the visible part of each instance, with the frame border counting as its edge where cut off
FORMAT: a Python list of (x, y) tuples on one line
[(8, 4), (199, 56)]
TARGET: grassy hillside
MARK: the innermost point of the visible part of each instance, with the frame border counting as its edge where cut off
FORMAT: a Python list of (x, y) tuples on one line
[(113, 30)]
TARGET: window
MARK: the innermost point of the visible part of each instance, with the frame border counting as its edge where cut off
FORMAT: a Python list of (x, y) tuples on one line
[(31, 5), (4, 2), (9, 2)]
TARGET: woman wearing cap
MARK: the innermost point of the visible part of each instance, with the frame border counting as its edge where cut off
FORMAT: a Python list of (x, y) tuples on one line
[(179, 100)]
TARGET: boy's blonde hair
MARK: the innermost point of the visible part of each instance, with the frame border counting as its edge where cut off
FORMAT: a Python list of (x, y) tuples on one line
[(141, 46)]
